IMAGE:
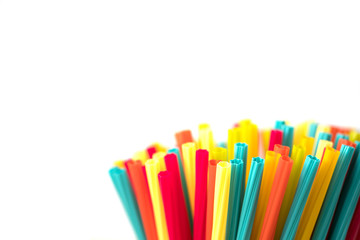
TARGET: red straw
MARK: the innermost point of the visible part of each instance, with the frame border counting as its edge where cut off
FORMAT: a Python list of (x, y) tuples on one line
[(275, 138), (354, 228), (283, 150), (180, 205), (167, 187), (141, 190), (202, 160), (151, 150), (343, 141), (210, 198)]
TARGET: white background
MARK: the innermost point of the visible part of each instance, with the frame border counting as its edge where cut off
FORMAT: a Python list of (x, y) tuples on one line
[(84, 83)]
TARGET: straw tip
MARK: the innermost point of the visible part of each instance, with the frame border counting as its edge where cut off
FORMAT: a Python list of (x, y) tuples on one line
[(223, 164)]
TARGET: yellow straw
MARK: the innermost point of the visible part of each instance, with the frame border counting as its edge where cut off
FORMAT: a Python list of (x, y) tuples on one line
[(160, 157), (321, 128), (221, 199), (159, 147), (322, 145), (189, 151), (354, 136), (298, 156), (219, 153), (265, 134), (301, 131), (233, 138), (143, 156), (152, 170), (317, 194), (119, 164), (308, 144), (271, 161), (206, 140)]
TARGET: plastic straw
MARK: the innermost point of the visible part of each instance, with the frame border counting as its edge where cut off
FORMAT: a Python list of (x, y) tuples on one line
[(275, 138), (189, 150), (172, 166), (348, 199), (122, 185), (308, 144), (298, 161), (339, 136), (219, 153), (202, 159), (265, 137), (250, 199), (206, 140), (141, 190), (241, 152), (345, 142), (282, 175), (282, 150), (333, 193), (183, 183), (271, 161), (233, 138), (302, 191), (210, 198), (235, 201), (321, 136), (221, 199), (312, 130), (152, 167), (279, 124), (288, 137), (317, 194), (321, 148)]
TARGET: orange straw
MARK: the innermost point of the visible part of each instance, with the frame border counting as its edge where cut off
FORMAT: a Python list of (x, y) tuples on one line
[(345, 142), (276, 196), (283, 150)]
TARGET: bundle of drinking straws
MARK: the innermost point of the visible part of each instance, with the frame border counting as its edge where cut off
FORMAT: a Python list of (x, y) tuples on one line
[(283, 183)]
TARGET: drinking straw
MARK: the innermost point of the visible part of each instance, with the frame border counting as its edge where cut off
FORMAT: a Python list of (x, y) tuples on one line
[(159, 156), (152, 168), (288, 136), (321, 136), (121, 182), (348, 199), (308, 144), (250, 199), (322, 129), (280, 183), (275, 138), (150, 150), (235, 201), (202, 161), (354, 135), (301, 131), (210, 198), (321, 148), (312, 130), (302, 191), (354, 228), (345, 142), (297, 156), (317, 194), (219, 153), (222, 145), (279, 124), (250, 136), (333, 193), (141, 190), (182, 137), (221, 198), (167, 187), (188, 150), (183, 183), (233, 138), (282, 150), (265, 137), (172, 165), (206, 140), (271, 161), (339, 136), (241, 152), (141, 155), (119, 164)]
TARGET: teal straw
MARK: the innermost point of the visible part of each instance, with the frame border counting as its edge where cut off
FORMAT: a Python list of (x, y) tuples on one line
[(222, 144), (338, 137), (235, 201), (250, 199), (241, 152), (306, 180), (183, 183), (332, 195), (322, 136), (348, 199), (122, 185), (279, 124), (312, 129), (288, 137)]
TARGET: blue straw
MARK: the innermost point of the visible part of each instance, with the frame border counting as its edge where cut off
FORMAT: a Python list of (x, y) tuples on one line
[(338, 137), (322, 136), (241, 152), (348, 199), (183, 184), (312, 130), (333, 193), (279, 124), (121, 182), (306, 180), (250, 199), (288, 137), (235, 200)]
